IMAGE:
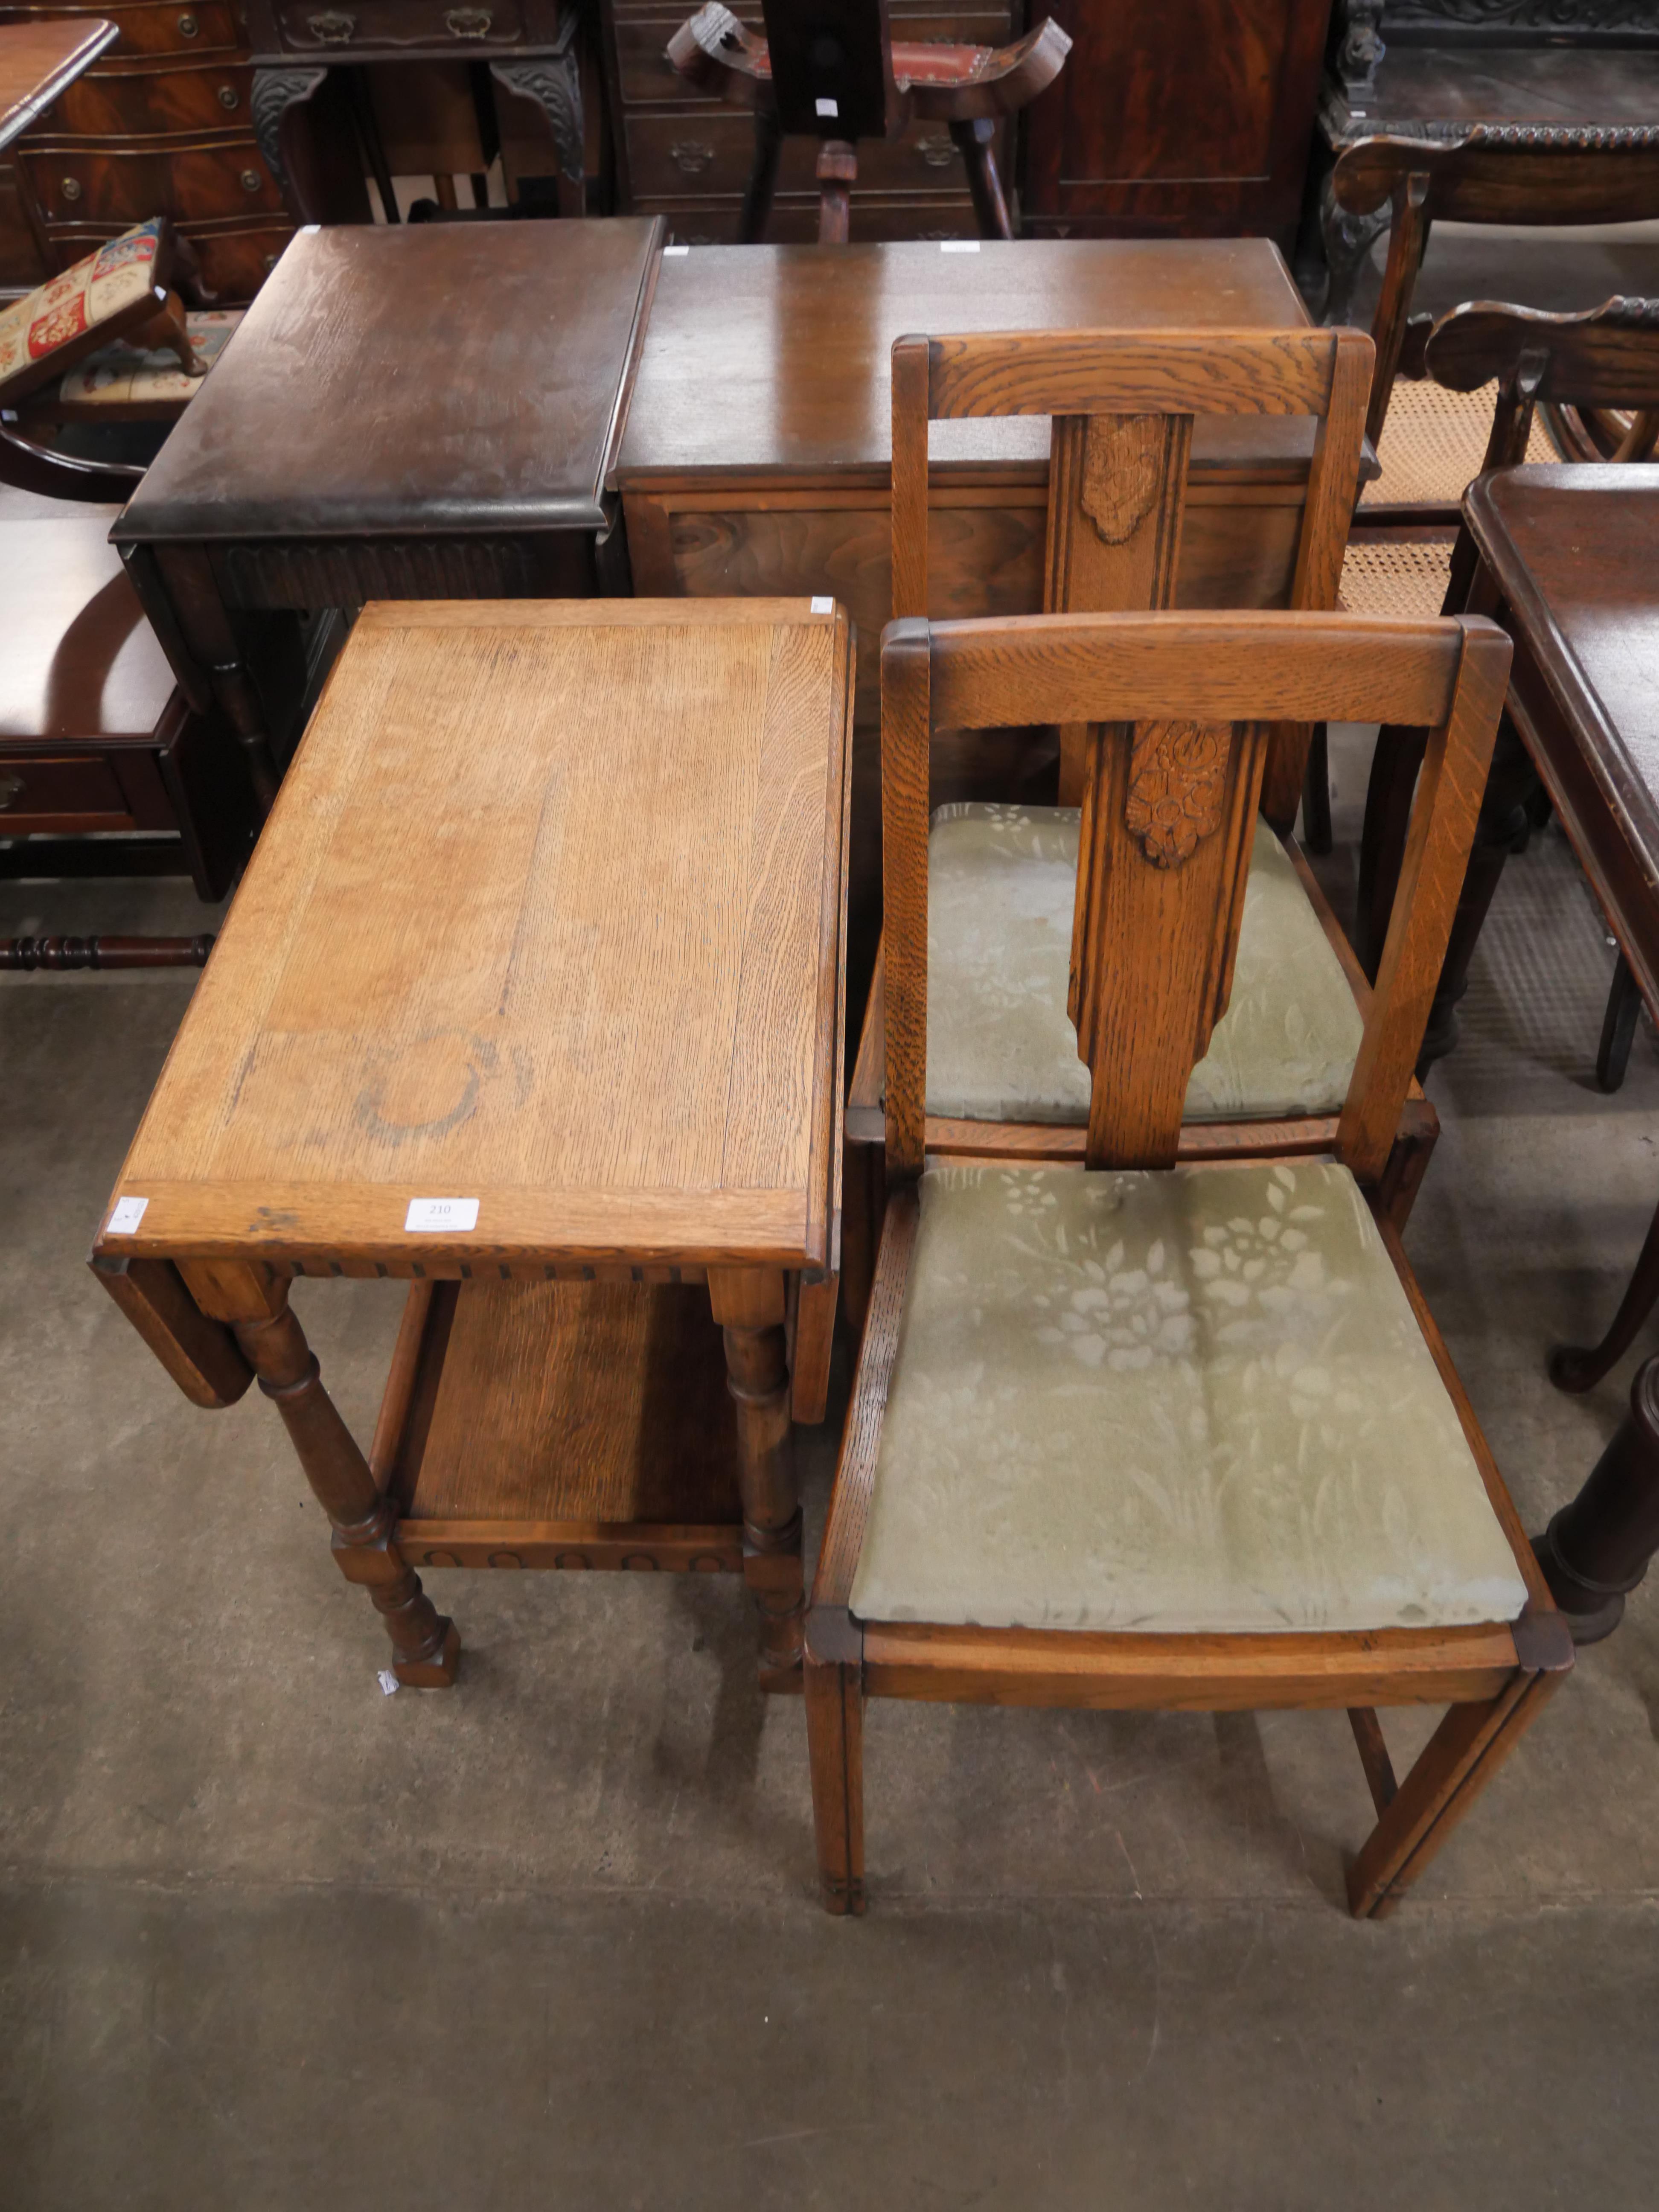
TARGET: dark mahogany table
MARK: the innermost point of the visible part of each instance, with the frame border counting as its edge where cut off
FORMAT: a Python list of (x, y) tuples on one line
[(1571, 563)]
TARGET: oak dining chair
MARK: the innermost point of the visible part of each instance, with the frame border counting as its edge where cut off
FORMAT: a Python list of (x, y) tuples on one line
[(1138, 1433)]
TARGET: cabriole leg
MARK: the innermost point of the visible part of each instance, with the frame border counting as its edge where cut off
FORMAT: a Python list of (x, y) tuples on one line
[(749, 1306), (425, 1645)]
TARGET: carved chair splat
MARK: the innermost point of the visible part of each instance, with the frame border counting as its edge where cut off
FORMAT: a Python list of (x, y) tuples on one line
[(1122, 407), (947, 1600)]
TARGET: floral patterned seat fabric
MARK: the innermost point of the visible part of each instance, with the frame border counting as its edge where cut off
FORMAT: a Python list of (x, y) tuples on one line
[(1000, 1047), (44, 323), (1191, 1400)]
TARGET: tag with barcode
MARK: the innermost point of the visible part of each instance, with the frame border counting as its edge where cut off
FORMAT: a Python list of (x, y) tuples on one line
[(125, 1215)]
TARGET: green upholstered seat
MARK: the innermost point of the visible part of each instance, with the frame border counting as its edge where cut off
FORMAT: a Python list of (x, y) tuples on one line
[(1192, 1399), (1000, 883)]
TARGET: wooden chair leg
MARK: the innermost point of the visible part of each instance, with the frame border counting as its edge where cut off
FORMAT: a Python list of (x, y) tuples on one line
[(838, 169), (834, 1742), (1461, 1758), (1316, 792), (762, 178), (863, 1181), (1408, 1161), (1502, 827), (1575, 1367), (1618, 1027), (1388, 796), (976, 141)]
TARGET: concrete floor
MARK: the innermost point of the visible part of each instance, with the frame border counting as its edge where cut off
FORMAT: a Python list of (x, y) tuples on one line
[(271, 1939)]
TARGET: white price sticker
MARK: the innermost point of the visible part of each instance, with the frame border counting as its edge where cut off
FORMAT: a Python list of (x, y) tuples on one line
[(958, 246), (824, 606), (125, 1215), (441, 1213), (389, 1683), (668, 250), (826, 107)]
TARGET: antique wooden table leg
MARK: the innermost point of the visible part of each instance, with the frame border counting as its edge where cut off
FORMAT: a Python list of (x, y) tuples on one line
[(1580, 1367), (425, 1645), (1598, 1547), (749, 1306), (197, 620)]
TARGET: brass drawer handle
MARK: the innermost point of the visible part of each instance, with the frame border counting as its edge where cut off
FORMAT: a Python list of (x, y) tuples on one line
[(690, 158), (229, 95), (252, 180), (330, 29), (188, 26), (12, 788), (938, 153), (71, 188), (468, 22)]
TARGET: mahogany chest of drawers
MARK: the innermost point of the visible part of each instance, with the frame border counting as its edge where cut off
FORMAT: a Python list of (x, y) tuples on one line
[(684, 155), (161, 124)]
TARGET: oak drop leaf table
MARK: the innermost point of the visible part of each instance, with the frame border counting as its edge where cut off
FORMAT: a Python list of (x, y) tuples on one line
[(531, 994)]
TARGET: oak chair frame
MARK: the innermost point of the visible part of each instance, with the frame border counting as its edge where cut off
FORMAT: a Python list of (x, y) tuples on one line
[(1604, 357), (1480, 179), (1128, 677), (1123, 405)]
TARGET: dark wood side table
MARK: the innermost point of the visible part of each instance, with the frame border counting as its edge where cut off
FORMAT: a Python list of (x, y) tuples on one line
[(409, 413), (1571, 567), (555, 1036), (529, 48)]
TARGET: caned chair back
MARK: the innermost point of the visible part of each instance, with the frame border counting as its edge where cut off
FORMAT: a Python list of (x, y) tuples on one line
[(1607, 358), (1124, 402), (1491, 176), (1176, 709)]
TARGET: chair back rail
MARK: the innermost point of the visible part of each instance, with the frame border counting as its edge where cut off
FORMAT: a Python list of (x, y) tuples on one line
[(1175, 708), (1614, 176), (1605, 357), (1122, 404)]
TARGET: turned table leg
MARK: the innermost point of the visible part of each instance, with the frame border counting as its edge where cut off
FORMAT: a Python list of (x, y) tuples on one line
[(749, 1306), (425, 1645), (1598, 1547)]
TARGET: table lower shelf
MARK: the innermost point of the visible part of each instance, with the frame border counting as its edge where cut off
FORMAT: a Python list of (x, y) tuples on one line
[(564, 1425)]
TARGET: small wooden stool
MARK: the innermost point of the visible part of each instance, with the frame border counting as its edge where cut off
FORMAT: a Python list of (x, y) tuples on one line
[(839, 85)]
